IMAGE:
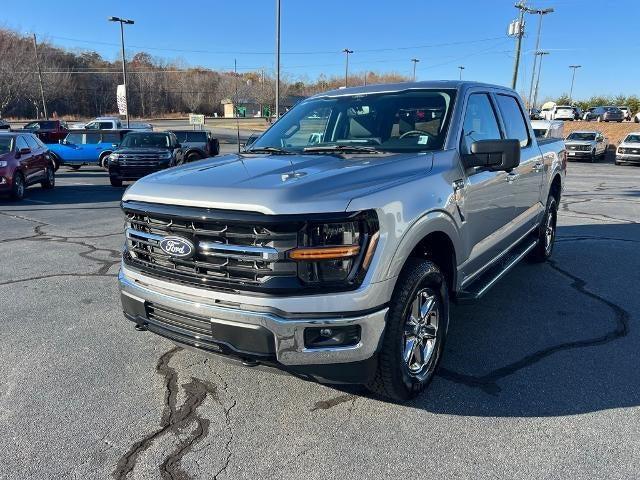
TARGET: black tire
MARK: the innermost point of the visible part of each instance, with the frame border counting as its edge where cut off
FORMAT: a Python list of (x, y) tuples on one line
[(192, 157), (636, 119), (115, 182), (49, 181), (55, 160), (599, 119), (104, 159), (75, 167), (18, 187), (546, 238), (394, 378), (592, 159)]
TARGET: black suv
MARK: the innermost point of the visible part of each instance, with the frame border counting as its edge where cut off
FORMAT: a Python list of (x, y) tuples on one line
[(605, 114), (142, 153)]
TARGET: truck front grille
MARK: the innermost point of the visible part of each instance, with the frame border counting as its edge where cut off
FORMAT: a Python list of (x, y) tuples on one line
[(138, 160), (226, 254)]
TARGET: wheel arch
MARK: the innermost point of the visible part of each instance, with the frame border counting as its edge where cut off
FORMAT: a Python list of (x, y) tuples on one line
[(556, 187), (435, 237)]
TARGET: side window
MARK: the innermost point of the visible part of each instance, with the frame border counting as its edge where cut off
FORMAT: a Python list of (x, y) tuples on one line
[(92, 138), (33, 145), (479, 122), (110, 138), (513, 118), (21, 143), (105, 125)]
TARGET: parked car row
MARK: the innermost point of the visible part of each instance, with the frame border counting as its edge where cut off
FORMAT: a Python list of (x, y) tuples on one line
[(607, 113)]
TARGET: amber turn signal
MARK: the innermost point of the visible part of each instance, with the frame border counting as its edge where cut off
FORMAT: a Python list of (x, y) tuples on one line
[(324, 253)]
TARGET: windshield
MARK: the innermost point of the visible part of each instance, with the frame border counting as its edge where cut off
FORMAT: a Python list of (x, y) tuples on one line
[(6, 145), (582, 136), (409, 121), (612, 109), (181, 136), (633, 138), (146, 140)]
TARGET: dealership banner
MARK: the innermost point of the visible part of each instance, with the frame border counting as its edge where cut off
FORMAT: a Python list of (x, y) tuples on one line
[(121, 96)]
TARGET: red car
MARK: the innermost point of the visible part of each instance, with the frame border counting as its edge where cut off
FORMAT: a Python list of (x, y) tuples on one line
[(49, 131), (24, 161)]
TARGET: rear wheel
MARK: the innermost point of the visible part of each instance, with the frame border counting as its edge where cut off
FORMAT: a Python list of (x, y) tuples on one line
[(55, 160), (75, 167), (416, 328), (599, 119), (115, 182), (49, 181), (18, 187), (546, 233)]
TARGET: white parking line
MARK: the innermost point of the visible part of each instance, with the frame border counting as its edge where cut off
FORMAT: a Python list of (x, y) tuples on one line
[(36, 201)]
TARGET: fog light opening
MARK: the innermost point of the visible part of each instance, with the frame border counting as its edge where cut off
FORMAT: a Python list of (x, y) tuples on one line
[(323, 337)]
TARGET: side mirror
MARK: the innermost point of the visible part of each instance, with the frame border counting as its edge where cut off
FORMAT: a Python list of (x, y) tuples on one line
[(114, 145), (494, 155), (24, 151)]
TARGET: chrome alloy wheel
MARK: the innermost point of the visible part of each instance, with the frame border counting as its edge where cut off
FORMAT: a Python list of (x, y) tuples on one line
[(420, 332), (549, 231)]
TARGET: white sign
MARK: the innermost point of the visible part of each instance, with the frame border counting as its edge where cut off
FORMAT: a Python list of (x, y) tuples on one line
[(121, 97), (196, 119)]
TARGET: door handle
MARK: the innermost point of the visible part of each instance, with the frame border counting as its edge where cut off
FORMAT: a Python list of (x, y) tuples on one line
[(512, 177), (538, 167)]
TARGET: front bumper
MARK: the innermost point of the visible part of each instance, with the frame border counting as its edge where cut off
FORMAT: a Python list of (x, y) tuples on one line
[(578, 154), (243, 332), (134, 173), (624, 157)]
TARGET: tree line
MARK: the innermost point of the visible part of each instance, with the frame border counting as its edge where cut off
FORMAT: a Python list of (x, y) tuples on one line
[(83, 84), (631, 101)]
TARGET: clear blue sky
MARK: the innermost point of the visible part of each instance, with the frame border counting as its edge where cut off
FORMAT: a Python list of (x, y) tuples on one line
[(600, 35)]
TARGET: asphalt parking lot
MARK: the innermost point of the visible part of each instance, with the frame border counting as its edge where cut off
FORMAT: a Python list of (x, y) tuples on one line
[(540, 379)]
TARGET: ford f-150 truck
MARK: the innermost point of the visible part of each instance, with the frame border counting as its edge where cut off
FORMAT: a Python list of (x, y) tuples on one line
[(332, 246)]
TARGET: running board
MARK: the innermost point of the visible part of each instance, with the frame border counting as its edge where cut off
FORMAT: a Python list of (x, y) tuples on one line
[(490, 277)]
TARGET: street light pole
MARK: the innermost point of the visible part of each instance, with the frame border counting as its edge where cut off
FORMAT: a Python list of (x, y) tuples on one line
[(346, 67), (277, 59), (573, 78), (122, 22), (535, 96), (415, 62), (540, 12), (461, 69)]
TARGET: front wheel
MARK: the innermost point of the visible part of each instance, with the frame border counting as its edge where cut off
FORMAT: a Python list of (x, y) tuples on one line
[(416, 328), (18, 187), (192, 157), (49, 181), (546, 233), (115, 182)]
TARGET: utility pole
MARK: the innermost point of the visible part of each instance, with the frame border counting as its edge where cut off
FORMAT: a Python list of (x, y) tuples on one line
[(541, 12), (366, 74), (346, 67), (573, 78), (517, 29), (235, 102), (461, 69), (261, 91), (535, 96), (44, 103), (277, 60), (415, 62), (122, 22)]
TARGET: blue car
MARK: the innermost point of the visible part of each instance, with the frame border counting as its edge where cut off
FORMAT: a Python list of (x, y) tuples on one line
[(86, 147)]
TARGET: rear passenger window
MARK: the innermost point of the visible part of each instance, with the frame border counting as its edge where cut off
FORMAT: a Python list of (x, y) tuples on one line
[(196, 136), (92, 138), (33, 145), (479, 122), (514, 123), (110, 138)]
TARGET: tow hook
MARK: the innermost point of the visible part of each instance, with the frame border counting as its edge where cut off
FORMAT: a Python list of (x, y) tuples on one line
[(247, 362), (141, 327)]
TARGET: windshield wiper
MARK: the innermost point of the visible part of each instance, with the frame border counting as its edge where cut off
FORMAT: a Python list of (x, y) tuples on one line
[(271, 150), (341, 148)]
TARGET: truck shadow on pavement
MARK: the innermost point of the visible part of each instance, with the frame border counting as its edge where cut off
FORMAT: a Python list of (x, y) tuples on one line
[(552, 339)]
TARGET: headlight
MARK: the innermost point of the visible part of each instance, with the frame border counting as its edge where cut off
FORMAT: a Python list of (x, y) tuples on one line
[(3, 163), (114, 157), (166, 156), (336, 252)]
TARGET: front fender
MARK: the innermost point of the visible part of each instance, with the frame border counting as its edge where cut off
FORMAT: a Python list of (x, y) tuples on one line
[(435, 221)]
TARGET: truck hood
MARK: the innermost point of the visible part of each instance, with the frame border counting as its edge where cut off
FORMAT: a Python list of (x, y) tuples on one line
[(630, 145), (278, 184), (580, 142), (145, 151)]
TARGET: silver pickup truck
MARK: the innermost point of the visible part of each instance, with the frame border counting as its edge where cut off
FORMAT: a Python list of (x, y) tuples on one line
[(332, 246)]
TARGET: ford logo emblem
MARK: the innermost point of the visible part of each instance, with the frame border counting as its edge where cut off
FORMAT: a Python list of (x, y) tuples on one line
[(177, 247)]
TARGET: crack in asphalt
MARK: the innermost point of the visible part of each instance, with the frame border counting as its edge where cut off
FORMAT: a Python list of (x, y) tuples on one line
[(567, 203), (489, 381), (174, 420), (39, 235)]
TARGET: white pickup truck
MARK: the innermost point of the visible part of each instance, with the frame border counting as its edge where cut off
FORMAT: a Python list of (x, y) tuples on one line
[(114, 123)]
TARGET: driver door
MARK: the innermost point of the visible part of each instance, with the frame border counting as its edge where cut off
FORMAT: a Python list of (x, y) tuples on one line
[(487, 207)]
